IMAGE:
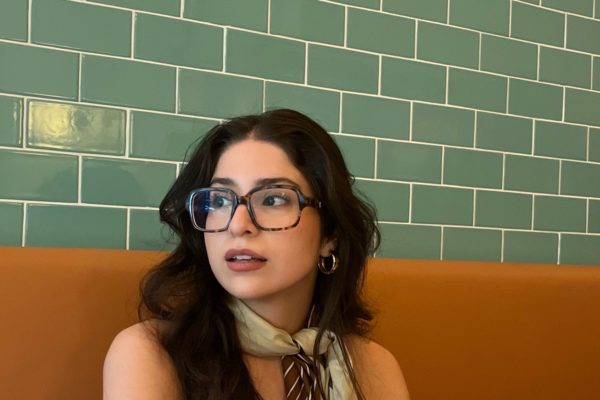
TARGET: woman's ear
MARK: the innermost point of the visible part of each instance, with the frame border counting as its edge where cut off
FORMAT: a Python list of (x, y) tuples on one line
[(328, 246)]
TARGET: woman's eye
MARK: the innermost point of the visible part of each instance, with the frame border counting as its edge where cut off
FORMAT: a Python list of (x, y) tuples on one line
[(274, 200), (219, 201)]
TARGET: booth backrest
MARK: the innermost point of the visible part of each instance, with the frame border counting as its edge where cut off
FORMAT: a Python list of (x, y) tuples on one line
[(468, 331)]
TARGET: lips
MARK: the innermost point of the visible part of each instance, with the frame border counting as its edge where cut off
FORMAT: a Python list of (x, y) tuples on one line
[(244, 260)]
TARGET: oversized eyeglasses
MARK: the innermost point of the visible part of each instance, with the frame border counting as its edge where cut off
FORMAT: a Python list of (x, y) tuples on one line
[(271, 208)]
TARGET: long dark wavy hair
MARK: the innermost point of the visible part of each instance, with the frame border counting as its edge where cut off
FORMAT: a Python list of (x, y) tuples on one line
[(199, 329)]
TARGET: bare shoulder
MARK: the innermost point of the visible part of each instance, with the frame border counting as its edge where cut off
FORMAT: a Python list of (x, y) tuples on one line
[(137, 367), (377, 370)]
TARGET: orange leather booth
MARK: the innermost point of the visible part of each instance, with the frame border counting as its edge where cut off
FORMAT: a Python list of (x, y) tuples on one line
[(460, 330)]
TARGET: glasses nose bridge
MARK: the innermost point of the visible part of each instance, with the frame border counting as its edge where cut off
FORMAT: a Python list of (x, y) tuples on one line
[(245, 200)]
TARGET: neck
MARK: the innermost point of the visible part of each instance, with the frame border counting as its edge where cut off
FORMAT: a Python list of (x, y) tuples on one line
[(287, 312)]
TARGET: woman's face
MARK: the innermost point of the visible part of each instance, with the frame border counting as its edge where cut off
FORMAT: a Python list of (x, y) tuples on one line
[(286, 267)]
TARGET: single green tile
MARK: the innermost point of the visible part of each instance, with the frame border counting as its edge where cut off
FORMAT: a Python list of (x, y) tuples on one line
[(435, 10), (37, 71), (74, 127), (488, 16), (250, 14), (146, 232), (265, 56), (472, 244), (81, 26), (531, 174), (390, 199), (375, 116), (560, 140), (178, 42), (594, 145), (13, 20), (537, 24), (11, 121), (530, 247), (534, 99), (169, 7), (596, 74), (503, 210), (582, 106), (126, 83), (362, 3), (442, 205), (413, 80), (310, 20), (508, 56), (477, 90), (409, 162), (441, 124), (594, 216), (583, 34), (321, 105), (11, 228), (381, 33), (580, 179), (35, 176), (444, 44), (410, 241), (503, 132), (124, 182), (583, 7), (165, 137), (559, 214), (565, 67), (472, 168), (70, 226), (359, 154), (339, 69), (580, 249), (218, 95)]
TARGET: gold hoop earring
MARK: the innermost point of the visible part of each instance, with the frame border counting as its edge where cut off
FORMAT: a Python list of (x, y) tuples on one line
[(334, 265)]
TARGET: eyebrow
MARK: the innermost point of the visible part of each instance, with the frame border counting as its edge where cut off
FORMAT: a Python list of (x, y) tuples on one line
[(257, 183)]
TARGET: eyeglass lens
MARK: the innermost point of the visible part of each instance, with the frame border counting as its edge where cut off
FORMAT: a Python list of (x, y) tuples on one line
[(272, 208)]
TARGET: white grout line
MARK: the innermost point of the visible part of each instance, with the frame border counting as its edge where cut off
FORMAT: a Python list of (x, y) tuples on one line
[(24, 225), (534, 125), (503, 169), (474, 208), (448, 12), (224, 49), (74, 204), (379, 76), (442, 165), (502, 245), (128, 133), (533, 212), (345, 27), (564, 99), (479, 52), (127, 229), (565, 33), (410, 201), (268, 17), (264, 96), (133, 25), (560, 177), (306, 64), (510, 6), (411, 111), (29, 21), (507, 96), (181, 8), (24, 131), (447, 84), (79, 177), (592, 75), (475, 114), (587, 144), (177, 105), (416, 40), (375, 160), (587, 215), (340, 113), (538, 58), (79, 76)]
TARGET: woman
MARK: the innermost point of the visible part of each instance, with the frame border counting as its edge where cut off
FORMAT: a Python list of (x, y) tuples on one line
[(261, 297)]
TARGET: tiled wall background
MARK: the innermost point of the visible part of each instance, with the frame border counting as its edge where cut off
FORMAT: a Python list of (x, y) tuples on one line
[(473, 125)]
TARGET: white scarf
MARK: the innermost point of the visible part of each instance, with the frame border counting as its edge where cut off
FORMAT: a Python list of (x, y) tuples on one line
[(262, 339)]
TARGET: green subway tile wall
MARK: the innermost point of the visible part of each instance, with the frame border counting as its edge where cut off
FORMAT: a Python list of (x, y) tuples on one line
[(473, 127)]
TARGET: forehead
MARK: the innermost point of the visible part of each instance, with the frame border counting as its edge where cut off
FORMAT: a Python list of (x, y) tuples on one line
[(251, 160)]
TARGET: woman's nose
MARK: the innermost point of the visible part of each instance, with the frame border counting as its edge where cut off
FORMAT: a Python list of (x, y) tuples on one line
[(241, 222)]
